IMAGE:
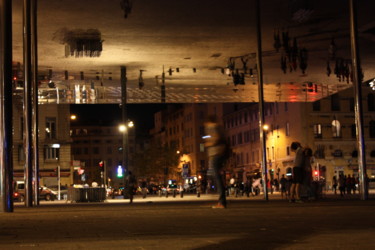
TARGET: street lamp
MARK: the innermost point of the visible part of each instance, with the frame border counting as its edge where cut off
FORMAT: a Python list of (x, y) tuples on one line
[(123, 128)]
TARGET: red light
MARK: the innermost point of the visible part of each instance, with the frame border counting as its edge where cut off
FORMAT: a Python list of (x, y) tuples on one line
[(101, 164), (14, 78), (316, 173), (15, 194)]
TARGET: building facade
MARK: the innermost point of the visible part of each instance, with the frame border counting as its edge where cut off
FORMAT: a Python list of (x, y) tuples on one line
[(98, 151), (54, 144)]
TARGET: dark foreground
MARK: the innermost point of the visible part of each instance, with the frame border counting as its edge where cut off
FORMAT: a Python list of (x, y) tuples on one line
[(192, 224)]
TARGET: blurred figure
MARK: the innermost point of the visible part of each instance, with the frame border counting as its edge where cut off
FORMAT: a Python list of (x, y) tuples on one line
[(130, 184), (342, 185), (283, 183), (334, 184), (297, 176), (307, 173), (217, 150), (144, 188)]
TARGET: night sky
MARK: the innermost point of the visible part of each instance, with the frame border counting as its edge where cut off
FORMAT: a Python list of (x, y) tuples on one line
[(110, 114)]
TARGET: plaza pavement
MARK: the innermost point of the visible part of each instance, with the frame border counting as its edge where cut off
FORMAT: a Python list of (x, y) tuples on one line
[(191, 223)]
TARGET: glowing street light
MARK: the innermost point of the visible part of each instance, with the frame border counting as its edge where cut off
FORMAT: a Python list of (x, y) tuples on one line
[(122, 128), (73, 117)]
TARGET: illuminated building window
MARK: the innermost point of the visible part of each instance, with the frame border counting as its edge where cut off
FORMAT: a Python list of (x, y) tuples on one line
[(51, 127), (336, 129), (51, 153), (318, 130)]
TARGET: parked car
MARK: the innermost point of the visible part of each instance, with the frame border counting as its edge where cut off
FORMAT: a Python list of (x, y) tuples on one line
[(44, 193), (63, 191), (47, 194), (18, 197)]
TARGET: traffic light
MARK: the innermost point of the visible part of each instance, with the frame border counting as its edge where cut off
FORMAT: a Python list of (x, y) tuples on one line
[(101, 166), (120, 171), (316, 173)]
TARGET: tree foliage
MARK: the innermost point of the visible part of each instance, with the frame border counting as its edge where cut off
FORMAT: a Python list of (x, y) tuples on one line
[(154, 161)]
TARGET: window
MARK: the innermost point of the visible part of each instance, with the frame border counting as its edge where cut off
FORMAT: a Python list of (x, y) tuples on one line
[(109, 163), (233, 140), (277, 107), (288, 150), (21, 128), (239, 138), (372, 129), (351, 104), (201, 131), (286, 106), (50, 127), (335, 102), (95, 150), (203, 164), (316, 106), (287, 132), (51, 153), (109, 150), (21, 153), (201, 147), (318, 130), (336, 129), (354, 130), (247, 136), (370, 102)]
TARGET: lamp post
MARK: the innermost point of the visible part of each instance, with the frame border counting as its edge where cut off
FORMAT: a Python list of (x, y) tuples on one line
[(124, 129)]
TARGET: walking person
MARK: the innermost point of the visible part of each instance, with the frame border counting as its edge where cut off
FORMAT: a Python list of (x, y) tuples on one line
[(297, 175), (144, 188), (130, 185), (217, 150), (334, 184), (283, 183), (307, 174), (342, 185)]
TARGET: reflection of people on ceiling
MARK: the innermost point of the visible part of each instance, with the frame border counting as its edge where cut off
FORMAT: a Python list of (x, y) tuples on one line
[(126, 5)]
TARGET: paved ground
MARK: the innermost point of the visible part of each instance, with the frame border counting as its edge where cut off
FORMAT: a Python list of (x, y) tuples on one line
[(191, 223)]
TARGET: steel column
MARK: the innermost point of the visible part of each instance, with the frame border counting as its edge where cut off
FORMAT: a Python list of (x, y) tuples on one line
[(261, 99), (358, 99), (27, 103), (34, 93), (125, 145), (6, 161)]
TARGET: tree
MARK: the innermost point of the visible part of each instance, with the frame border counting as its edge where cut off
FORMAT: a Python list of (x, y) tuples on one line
[(156, 161)]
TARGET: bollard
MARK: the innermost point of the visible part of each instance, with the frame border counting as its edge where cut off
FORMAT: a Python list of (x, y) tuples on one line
[(198, 194), (174, 193), (182, 194)]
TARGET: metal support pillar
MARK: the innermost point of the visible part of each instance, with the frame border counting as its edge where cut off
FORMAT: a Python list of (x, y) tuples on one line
[(261, 100), (27, 104), (6, 161), (34, 94), (124, 120), (358, 100)]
